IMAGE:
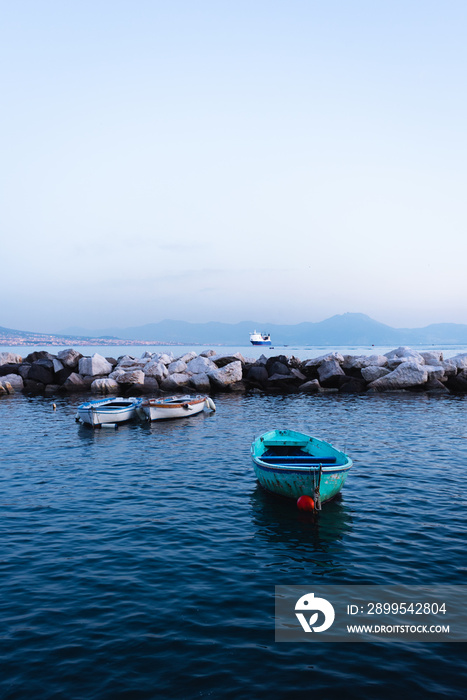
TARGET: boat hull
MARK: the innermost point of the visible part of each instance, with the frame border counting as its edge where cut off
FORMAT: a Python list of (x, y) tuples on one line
[(182, 407), (293, 464), (260, 342), (97, 413), (294, 484)]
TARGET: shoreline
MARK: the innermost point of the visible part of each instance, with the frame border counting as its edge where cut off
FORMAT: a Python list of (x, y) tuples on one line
[(211, 371)]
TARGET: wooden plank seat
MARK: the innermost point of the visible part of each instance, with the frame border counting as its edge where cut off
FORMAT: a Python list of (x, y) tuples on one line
[(295, 459)]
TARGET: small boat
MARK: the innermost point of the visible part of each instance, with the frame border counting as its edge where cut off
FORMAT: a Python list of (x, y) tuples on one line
[(105, 411), (260, 338), (293, 464), (174, 407)]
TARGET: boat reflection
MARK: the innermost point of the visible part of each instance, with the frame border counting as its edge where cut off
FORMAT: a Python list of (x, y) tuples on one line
[(278, 521)]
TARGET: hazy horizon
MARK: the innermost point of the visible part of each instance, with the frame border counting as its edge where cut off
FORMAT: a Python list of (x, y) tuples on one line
[(215, 162)]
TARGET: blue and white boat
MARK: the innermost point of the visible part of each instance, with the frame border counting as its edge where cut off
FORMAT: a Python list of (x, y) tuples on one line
[(293, 464), (102, 411), (260, 338)]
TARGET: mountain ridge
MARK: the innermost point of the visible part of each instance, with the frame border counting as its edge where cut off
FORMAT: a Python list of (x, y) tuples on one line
[(340, 329)]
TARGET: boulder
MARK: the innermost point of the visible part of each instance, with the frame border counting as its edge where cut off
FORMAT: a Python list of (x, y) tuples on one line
[(225, 376), (6, 386), (41, 371), (450, 368), (407, 374), (369, 374), (104, 386), (135, 376), (62, 376), (33, 387), (176, 381), (3, 391), (435, 372), (15, 380), (69, 357), (74, 383), (311, 387), (331, 374), (51, 389), (257, 374), (57, 366), (361, 361), (460, 361), (403, 354), (353, 386), (177, 367), (151, 385), (434, 386), (112, 361), (39, 355), (277, 367), (165, 358), (187, 357), (156, 369), (458, 384), (317, 361), (94, 366), (297, 374), (434, 357), (23, 369), (9, 368), (10, 358), (200, 382), (207, 353), (228, 359), (200, 365)]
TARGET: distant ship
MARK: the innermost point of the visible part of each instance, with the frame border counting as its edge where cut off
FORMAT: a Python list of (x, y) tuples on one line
[(260, 338)]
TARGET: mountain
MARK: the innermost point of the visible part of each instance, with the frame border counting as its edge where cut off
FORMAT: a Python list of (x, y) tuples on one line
[(342, 329)]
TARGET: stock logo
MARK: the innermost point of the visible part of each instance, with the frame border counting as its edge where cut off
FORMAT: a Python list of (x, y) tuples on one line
[(308, 603)]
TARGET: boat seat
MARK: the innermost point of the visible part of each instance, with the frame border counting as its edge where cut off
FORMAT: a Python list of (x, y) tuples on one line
[(295, 459)]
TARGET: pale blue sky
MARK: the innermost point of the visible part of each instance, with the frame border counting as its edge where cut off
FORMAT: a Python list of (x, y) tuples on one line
[(270, 160)]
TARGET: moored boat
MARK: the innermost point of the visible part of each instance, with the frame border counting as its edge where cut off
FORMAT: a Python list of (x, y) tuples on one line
[(174, 407), (260, 338), (294, 464), (110, 410)]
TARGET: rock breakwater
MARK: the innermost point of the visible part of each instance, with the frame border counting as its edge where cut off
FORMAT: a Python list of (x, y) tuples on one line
[(402, 369)]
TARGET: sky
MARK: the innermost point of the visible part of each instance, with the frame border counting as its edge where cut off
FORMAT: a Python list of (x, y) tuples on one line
[(270, 160)]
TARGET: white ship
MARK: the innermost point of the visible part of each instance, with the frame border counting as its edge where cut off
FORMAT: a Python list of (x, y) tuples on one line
[(260, 338)]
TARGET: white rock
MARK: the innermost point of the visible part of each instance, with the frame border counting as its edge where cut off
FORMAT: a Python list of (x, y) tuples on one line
[(460, 361), (405, 375), (435, 371), (175, 381), (116, 373), (450, 368), (156, 369), (135, 376), (14, 380), (369, 374), (165, 358), (227, 375), (316, 361), (187, 357), (207, 353), (311, 387), (434, 357), (406, 353), (328, 369), (177, 367), (360, 361), (104, 386), (69, 357), (95, 365), (10, 357), (147, 355), (200, 382), (200, 365), (57, 365)]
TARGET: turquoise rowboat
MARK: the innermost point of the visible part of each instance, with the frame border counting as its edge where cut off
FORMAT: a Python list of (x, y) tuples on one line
[(294, 464)]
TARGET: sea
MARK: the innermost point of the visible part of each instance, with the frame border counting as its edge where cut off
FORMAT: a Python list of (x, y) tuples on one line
[(141, 563)]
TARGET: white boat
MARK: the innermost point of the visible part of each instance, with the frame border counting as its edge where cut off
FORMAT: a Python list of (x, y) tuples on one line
[(174, 407), (104, 411), (260, 338)]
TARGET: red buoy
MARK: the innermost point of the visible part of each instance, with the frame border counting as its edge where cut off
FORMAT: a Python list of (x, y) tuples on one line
[(305, 503)]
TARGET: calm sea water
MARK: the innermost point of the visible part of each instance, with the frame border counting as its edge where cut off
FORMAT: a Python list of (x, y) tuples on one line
[(141, 563)]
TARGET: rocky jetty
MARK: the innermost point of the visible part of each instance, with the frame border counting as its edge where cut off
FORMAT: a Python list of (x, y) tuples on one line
[(155, 373)]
